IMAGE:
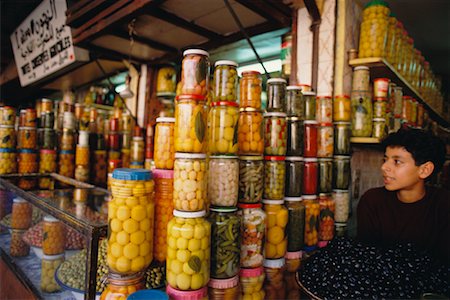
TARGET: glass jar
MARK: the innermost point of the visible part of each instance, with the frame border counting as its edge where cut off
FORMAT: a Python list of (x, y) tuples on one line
[(310, 105), (225, 242), (223, 180), (361, 78), (414, 111), (294, 176), (8, 158), (7, 116), (131, 221), (342, 132), (398, 96), (66, 163), (27, 138), (47, 138), (30, 119), (310, 138), (276, 95), (325, 140), (224, 289), (391, 41), (225, 81), (252, 281), (54, 236), (163, 211), (324, 109), (295, 132), (27, 161), (168, 108), (67, 141), (82, 155), (7, 136), (380, 107), (137, 149), (276, 221), (250, 132), (49, 265), (195, 73), (120, 287), (406, 108), (342, 205), (361, 114), (379, 128), (201, 294), (420, 115), (190, 124), (341, 172), (250, 90), (274, 177), (310, 176), (312, 212), (190, 181), (21, 214), (82, 173), (251, 172), (325, 175), (326, 217), (373, 35), (189, 246), (296, 223), (274, 285), (99, 169), (125, 158), (223, 130), (166, 80), (342, 108), (69, 121), (18, 247), (252, 234), (381, 87), (295, 105), (292, 265), (275, 133)]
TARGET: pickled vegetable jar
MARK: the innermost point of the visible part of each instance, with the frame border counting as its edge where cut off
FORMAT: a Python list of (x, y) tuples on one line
[(274, 175), (276, 95), (373, 36), (27, 138), (310, 105), (67, 140), (195, 73), (47, 164), (275, 133), (252, 234), (250, 132), (276, 222), (21, 214), (251, 172), (381, 87), (274, 285), (99, 168), (82, 173), (250, 90), (18, 247), (201, 294), (125, 158), (189, 242), (49, 265), (406, 108), (223, 130), (380, 107), (341, 172), (137, 149), (225, 81), (342, 108), (361, 78), (398, 96), (342, 132), (8, 158), (27, 161), (120, 287), (190, 181), (166, 80), (225, 242), (224, 289), (325, 175), (326, 217), (54, 238), (310, 176), (164, 155), (66, 163), (190, 124), (295, 229), (295, 132), (131, 221), (312, 212), (361, 114), (7, 115), (325, 140), (294, 176), (223, 180), (295, 105), (324, 109), (310, 138), (7, 136), (379, 128), (149, 138), (252, 281), (82, 155), (47, 138), (414, 111), (342, 205)]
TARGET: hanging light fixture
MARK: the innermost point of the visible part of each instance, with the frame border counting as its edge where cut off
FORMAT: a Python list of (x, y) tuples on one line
[(127, 92)]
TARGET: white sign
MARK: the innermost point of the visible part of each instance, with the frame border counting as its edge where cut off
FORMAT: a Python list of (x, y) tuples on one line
[(42, 44)]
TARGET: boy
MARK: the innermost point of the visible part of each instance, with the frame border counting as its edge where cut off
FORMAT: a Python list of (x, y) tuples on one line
[(405, 209)]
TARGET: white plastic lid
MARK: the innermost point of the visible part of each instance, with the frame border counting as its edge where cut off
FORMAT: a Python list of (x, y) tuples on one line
[(224, 209), (275, 114), (224, 156), (189, 214), (310, 159), (138, 138), (276, 80), (274, 263), (324, 159), (294, 158), (19, 200), (225, 62), (49, 218), (26, 128), (314, 122), (293, 199), (269, 201), (7, 126), (52, 257), (190, 155), (83, 132), (165, 119), (307, 93), (341, 123), (293, 87), (341, 191), (344, 157), (195, 51), (361, 68), (379, 120), (309, 197)]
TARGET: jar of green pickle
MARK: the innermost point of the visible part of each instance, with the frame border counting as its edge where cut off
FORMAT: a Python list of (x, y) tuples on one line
[(251, 181), (361, 114), (325, 175), (274, 177), (310, 105), (341, 172), (342, 132), (295, 229), (225, 81), (295, 105)]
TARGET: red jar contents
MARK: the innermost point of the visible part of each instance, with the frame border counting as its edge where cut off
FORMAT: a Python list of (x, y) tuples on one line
[(113, 140), (310, 174), (310, 138)]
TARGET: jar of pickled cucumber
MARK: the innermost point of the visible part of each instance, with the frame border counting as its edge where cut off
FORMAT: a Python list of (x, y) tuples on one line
[(275, 130), (54, 236), (21, 214), (324, 109), (250, 132), (274, 284), (342, 108), (342, 132), (164, 154), (7, 116), (310, 138), (312, 213), (325, 140), (276, 95), (341, 172), (131, 221), (295, 105), (223, 129), (224, 289), (325, 175), (188, 251), (250, 90), (190, 181), (121, 286), (190, 124), (252, 234), (326, 217), (195, 73), (361, 78), (276, 219), (294, 176), (310, 176), (342, 205), (295, 132), (166, 80), (252, 281), (27, 138), (391, 40), (49, 265), (223, 180), (274, 177), (251, 172), (373, 35), (82, 155), (8, 158), (201, 294), (7, 136), (27, 161), (361, 114), (81, 173), (225, 242), (66, 163), (310, 105), (295, 229), (225, 81), (18, 247)]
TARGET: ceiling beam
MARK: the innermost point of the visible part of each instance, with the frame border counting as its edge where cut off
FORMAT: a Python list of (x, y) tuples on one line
[(267, 11), (144, 40), (82, 10), (98, 52)]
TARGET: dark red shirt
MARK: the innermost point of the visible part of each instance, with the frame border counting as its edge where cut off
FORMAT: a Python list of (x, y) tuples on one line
[(384, 219)]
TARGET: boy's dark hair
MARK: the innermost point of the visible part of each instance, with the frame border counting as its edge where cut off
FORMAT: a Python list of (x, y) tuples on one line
[(422, 145)]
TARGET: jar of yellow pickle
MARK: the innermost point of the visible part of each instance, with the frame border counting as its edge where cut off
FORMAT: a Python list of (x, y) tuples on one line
[(276, 238), (54, 236), (120, 286), (8, 159), (312, 211), (225, 81), (7, 136), (18, 247), (250, 132), (224, 289), (195, 73), (342, 108), (274, 284), (7, 116), (67, 141), (49, 265), (391, 39), (27, 161), (82, 155), (250, 90), (223, 129), (137, 151), (252, 281), (166, 80), (372, 41), (21, 215), (66, 163), (27, 138), (82, 173), (164, 154)]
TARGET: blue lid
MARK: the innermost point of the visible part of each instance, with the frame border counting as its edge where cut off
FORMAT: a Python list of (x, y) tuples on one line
[(136, 163), (148, 294), (66, 152), (27, 151), (7, 150), (132, 174), (310, 248)]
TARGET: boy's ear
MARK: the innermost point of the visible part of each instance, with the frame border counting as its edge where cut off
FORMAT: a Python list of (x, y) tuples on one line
[(426, 169)]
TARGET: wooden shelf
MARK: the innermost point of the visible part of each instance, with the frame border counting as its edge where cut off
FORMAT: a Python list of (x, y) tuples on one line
[(379, 67), (364, 140), (102, 106)]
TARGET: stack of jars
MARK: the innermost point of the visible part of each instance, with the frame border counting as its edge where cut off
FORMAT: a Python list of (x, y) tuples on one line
[(27, 147), (47, 143), (20, 222), (66, 160), (381, 106), (132, 148), (7, 140), (99, 159), (189, 233)]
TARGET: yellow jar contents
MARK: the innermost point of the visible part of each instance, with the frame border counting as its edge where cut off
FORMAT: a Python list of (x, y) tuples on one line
[(49, 266), (312, 211), (223, 134), (252, 281), (7, 137), (164, 154), (225, 81), (54, 238), (166, 80), (66, 163), (21, 214), (27, 138), (277, 219), (120, 287), (250, 132), (195, 73), (27, 162), (374, 27), (342, 108), (82, 156), (8, 159), (137, 152), (224, 289)]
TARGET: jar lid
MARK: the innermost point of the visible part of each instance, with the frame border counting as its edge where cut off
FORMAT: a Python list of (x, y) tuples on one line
[(345, 157), (223, 156), (275, 158), (148, 294), (342, 123), (136, 163), (63, 152), (161, 173), (273, 202), (138, 138), (322, 244), (226, 63), (27, 128), (132, 174), (83, 132), (189, 214), (52, 257), (19, 200), (250, 73), (293, 119), (313, 122), (274, 263), (398, 88), (379, 120), (307, 93), (190, 97), (322, 159), (323, 97), (310, 159), (249, 205), (380, 99), (327, 124), (275, 114), (293, 199), (249, 157), (381, 79), (83, 146), (165, 120), (304, 84), (293, 255), (310, 248), (28, 151), (293, 87), (294, 158), (324, 195), (49, 218), (255, 272), (341, 191), (187, 295), (225, 103), (276, 80), (7, 126), (195, 51), (223, 208), (337, 224), (190, 155), (7, 150), (361, 68), (309, 197), (342, 96), (249, 109), (224, 283)]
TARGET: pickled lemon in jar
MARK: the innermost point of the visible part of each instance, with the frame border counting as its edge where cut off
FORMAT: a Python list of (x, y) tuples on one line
[(223, 128), (373, 35), (164, 154), (277, 220)]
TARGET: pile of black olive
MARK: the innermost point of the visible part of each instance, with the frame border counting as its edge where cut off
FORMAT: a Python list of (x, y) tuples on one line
[(348, 269)]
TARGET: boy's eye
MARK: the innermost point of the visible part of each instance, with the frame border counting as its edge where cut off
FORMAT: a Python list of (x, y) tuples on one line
[(397, 162)]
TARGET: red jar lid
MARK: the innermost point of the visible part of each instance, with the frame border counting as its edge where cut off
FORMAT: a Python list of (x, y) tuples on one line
[(225, 103), (293, 255), (326, 124), (165, 174), (224, 283), (381, 79), (251, 272), (249, 205), (323, 97), (380, 99), (48, 151), (190, 97), (407, 97), (187, 295), (342, 96), (275, 158)]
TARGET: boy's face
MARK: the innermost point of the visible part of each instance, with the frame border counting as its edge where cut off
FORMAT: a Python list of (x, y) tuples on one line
[(399, 170)]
